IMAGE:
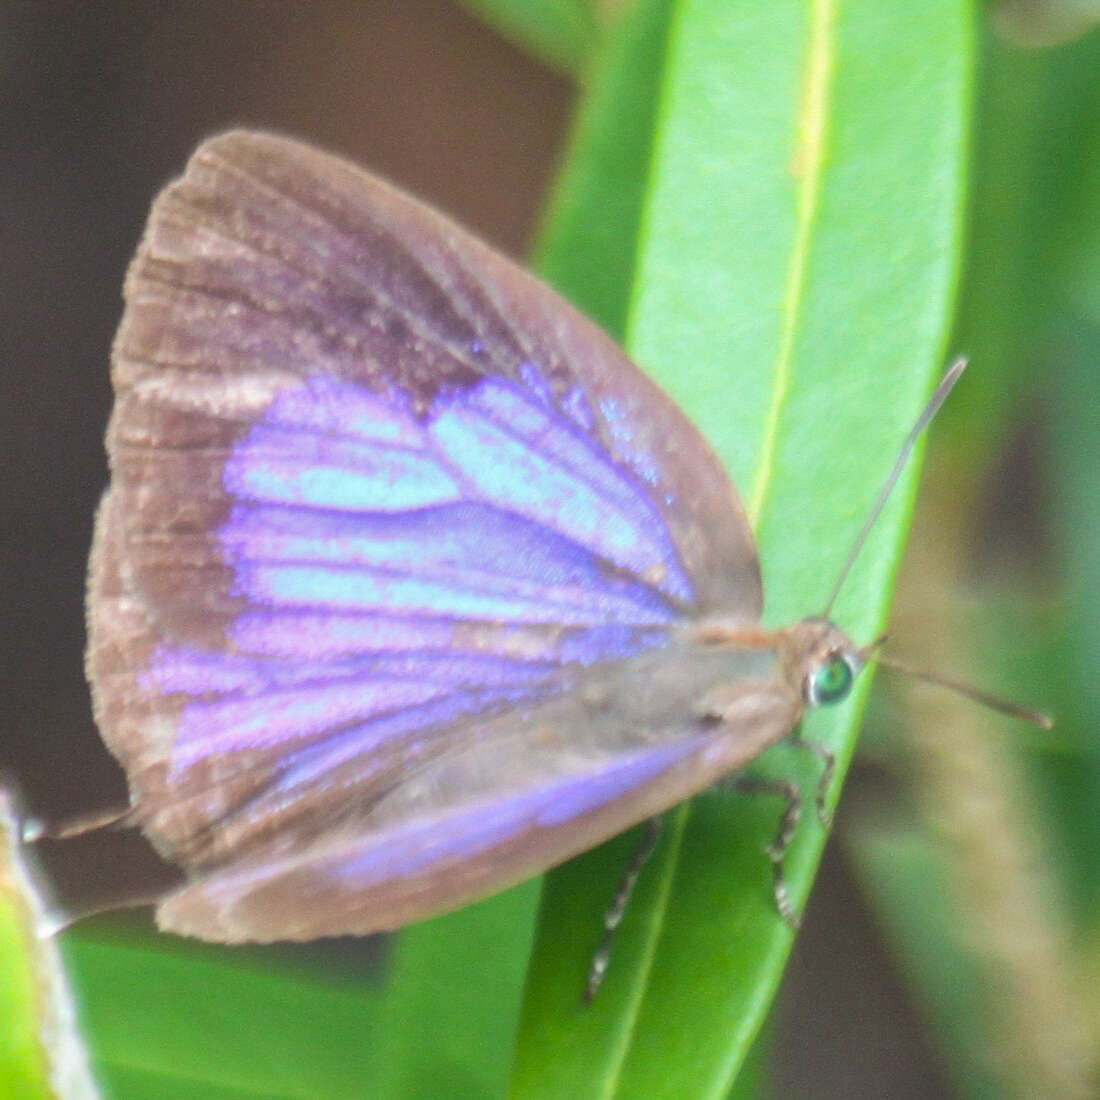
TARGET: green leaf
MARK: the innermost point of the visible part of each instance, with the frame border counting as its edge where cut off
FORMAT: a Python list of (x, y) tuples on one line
[(1030, 316), (23, 1069), (1032, 211), (560, 32), (588, 248), (433, 1015), (1075, 511), (793, 289), (41, 1053)]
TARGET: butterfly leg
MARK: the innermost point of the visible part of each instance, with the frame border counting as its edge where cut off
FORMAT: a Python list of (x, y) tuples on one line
[(614, 915), (828, 767), (790, 792)]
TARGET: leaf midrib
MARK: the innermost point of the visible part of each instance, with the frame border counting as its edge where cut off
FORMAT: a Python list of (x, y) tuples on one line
[(808, 163)]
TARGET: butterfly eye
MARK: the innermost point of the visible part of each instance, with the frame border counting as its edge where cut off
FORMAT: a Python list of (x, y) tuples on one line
[(830, 681)]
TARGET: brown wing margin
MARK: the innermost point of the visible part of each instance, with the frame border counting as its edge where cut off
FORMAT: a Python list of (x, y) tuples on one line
[(268, 261)]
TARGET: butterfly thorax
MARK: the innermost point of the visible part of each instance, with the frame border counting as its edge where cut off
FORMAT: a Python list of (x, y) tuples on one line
[(814, 662)]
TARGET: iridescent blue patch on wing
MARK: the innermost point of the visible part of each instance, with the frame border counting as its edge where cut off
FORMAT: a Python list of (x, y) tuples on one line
[(536, 383), (576, 407), (197, 672), (243, 702), (320, 635), (420, 844), (356, 744), (401, 572), (327, 444), (621, 426), (493, 444), (462, 560), (513, 452)]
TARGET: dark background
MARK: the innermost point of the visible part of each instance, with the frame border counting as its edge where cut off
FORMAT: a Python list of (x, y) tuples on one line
[(102, 103)]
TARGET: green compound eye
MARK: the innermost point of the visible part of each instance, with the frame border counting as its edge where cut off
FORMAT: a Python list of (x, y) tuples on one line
[(830, 682)]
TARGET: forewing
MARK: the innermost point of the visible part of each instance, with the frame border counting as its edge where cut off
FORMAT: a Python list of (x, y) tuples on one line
[(270, 264), (374, 489)]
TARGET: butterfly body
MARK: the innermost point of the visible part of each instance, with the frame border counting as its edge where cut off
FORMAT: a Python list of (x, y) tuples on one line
[(408, 584), (521, 790)]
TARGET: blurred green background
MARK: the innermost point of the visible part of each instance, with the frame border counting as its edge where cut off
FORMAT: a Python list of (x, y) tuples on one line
[(951, 946)]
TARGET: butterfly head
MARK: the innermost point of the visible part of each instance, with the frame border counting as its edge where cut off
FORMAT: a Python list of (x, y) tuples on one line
[(821, 662)]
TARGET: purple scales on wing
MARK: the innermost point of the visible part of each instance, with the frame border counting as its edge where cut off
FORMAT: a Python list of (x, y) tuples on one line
[(524, 459), (369, 544), (263, 703), (575, 405), (348, 751), (483, 827), (330, 634), (302, 453), (491, 443), (465, 561), (400, 858), (386, 518), (536, 383)]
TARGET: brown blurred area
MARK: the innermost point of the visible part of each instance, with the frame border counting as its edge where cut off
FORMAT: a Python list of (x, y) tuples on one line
[(102, 103)]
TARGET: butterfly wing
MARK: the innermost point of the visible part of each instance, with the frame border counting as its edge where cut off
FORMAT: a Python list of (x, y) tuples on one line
[(528, 787), (378, 499)]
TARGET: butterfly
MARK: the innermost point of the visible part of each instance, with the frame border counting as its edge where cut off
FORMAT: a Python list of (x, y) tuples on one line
[(408, 584)]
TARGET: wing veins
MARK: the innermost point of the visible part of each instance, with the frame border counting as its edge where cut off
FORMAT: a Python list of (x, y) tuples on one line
[(577, 471), (428, 749), (459, 353)]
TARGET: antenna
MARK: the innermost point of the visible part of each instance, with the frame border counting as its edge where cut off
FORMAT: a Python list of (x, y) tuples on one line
[(1002, 706), (873, 652), (947, 383)]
